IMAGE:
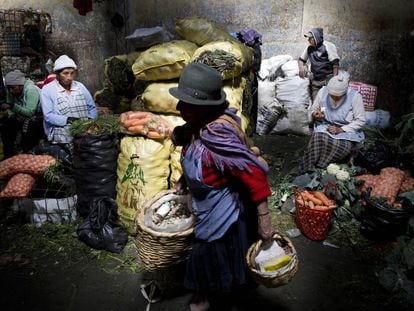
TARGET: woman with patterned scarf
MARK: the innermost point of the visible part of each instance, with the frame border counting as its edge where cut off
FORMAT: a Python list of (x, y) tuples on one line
[(227, 183)]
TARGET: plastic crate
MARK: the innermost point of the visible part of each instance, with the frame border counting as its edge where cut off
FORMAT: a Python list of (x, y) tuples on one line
[(368, 93)]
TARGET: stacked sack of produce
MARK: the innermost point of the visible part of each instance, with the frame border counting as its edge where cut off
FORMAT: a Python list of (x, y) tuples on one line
[(283, 98), (233, 59), (148, 162), (269, 109)]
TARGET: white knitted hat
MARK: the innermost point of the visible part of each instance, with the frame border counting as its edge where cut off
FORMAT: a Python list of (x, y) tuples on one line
[(63, 62), (338, 85)]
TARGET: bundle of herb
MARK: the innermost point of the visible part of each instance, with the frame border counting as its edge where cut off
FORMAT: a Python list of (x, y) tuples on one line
[(119, 74), (217, 59), (103, 124)]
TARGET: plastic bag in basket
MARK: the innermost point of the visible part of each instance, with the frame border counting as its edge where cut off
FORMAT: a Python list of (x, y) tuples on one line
[(176, 215)]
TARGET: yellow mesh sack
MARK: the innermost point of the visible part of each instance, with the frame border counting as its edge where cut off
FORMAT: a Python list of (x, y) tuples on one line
[(175, 155), (157, 98), (163, 61), (234, 89)]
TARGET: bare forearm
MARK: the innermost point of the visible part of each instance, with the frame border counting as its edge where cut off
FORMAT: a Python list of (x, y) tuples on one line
[(266, 230), (262, 208)]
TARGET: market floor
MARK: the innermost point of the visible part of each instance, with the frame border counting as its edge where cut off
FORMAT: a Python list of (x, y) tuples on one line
[(336, 276)]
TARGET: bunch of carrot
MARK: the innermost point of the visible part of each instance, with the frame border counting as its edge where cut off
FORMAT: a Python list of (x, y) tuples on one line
[(316, 200), (145, 123)]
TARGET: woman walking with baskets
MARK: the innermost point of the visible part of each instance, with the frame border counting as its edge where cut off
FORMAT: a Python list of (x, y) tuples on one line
[(227, 182)]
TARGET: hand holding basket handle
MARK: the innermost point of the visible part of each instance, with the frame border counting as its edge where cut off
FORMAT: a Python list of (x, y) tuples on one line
[(180, 186)]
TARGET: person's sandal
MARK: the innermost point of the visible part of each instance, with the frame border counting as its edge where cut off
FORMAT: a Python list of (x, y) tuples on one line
[(151, 292), (200, 306)]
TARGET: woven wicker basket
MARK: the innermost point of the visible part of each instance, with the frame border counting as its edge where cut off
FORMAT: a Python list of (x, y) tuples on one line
[(158, 250), (283, 275)]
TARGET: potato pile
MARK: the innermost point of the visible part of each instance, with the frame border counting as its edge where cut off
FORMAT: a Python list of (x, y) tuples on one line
[(21, 171), (387, 184), (19, 186)]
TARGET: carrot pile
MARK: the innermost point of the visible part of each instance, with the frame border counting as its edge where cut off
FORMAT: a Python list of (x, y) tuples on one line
[(316, 200), (145, 124)]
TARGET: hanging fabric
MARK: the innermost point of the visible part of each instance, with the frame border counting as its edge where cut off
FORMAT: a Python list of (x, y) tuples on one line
[(83, 6)]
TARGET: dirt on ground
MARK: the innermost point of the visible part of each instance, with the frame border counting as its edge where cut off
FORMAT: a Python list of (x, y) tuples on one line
[(47, 268)]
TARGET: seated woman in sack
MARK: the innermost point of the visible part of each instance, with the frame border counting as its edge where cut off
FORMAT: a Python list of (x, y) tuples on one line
[(338, 115)]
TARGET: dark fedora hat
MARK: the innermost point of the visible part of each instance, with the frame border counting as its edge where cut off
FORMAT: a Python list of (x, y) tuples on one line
[(201, 85)]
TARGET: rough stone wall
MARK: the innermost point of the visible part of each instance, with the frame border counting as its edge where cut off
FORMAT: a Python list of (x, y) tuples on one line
[(373, 38), (87, 39)]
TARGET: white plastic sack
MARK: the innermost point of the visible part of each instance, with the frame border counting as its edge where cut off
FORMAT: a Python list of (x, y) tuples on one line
[(377, 118), (294, 122), (293, 91), (268, 116), (267, 107), (266, 92), (293, 94), (270, 68), (290, 68), (180, 224)]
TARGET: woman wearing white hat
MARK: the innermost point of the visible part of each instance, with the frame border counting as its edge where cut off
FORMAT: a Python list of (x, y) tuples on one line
[(65, 100), (339, 117)]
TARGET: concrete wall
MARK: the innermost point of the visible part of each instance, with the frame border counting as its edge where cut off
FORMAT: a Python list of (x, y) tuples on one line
[(372, 36), (374, 40)]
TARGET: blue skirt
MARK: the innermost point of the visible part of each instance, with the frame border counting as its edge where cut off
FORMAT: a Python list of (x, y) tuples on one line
[(219, 265)]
